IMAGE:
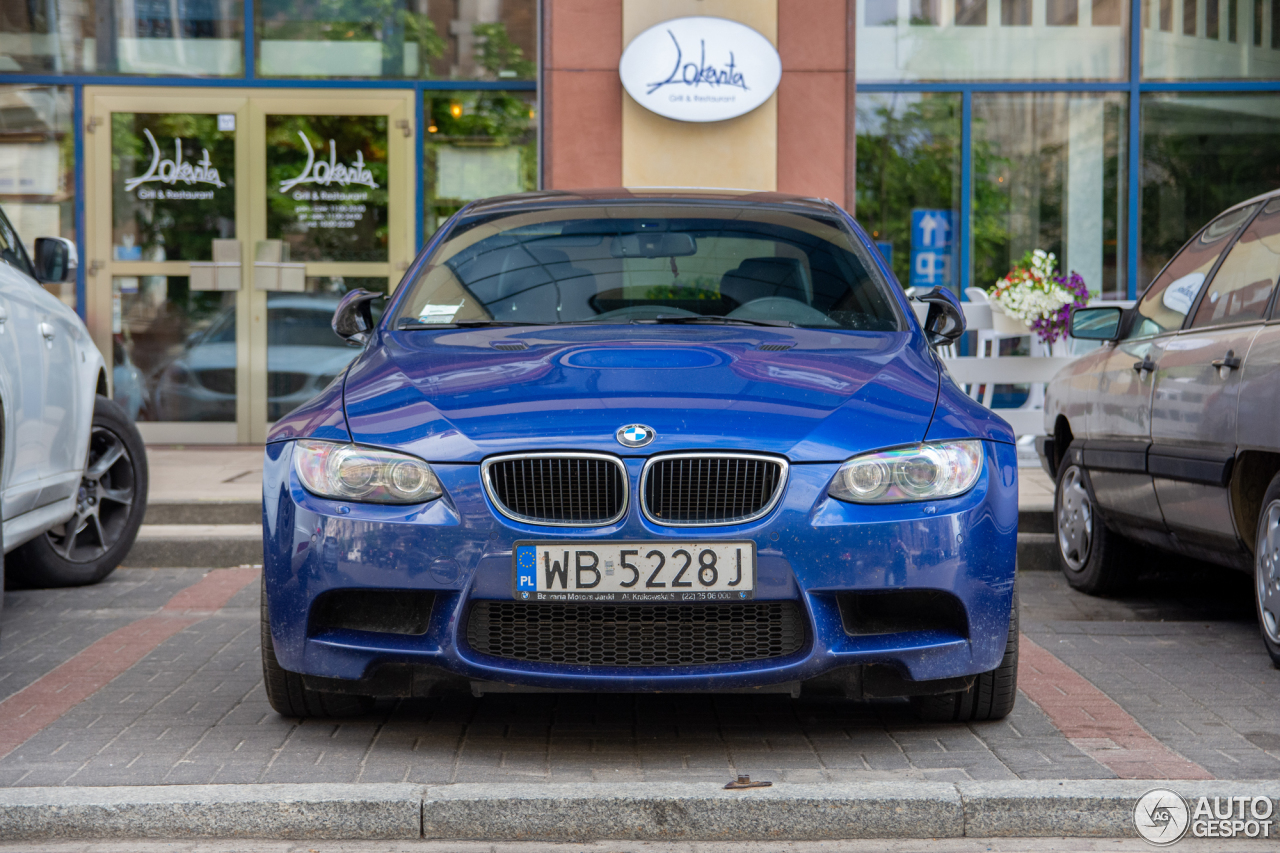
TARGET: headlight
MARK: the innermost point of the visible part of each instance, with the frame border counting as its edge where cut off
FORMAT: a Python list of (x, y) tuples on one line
[(926, 472), (350, 473)]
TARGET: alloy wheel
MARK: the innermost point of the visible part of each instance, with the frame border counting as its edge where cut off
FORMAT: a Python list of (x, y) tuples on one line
[(107, 491), (1267, 572), (1075, 519)]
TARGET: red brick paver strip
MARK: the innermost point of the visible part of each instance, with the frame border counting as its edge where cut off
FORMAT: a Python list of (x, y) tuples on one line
[(1094, 723), (42, 702)]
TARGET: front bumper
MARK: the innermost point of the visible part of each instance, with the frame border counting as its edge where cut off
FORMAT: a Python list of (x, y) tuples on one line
[(811, 550)]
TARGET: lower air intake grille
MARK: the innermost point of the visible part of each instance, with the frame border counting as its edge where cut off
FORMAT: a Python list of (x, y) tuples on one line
[(636, 634), (696, 490), (567, 490)]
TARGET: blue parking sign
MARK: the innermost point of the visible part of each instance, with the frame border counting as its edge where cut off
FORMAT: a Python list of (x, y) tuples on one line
[(932, 238)]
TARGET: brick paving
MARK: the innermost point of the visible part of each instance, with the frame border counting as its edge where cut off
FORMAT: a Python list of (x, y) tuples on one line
[(1181, 657)]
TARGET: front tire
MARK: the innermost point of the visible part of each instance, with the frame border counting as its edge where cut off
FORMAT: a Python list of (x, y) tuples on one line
[(288, 695), (110, 504), (992, 695), (1266, 570), (1093, 559)]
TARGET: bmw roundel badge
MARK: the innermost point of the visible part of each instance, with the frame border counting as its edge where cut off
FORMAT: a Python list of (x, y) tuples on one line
[(635, 435)]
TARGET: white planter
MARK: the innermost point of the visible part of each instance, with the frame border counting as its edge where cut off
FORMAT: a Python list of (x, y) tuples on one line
[(1007, 324)]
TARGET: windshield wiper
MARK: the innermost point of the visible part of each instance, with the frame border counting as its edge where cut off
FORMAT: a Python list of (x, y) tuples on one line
[(712, 319), (411, 325)]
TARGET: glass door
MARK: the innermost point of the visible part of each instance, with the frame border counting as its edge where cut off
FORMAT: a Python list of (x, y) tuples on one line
[(166, 176), (223, 230), (335, 213)]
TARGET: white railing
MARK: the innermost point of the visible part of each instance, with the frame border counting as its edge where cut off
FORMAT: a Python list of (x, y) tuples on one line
[(979, 375)]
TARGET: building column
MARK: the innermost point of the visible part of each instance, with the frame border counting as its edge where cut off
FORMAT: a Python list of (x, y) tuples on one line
[(581, 94)]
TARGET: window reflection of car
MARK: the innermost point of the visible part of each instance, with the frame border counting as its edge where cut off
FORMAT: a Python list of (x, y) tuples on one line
[(303, 356), (128, 385)]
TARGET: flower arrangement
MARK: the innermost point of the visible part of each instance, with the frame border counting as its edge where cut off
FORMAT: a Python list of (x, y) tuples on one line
[(1039, 296)]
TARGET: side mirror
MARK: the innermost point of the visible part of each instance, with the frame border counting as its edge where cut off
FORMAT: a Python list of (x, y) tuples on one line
[(353, 320), (945, 322), (56, 259), (1096, 324)]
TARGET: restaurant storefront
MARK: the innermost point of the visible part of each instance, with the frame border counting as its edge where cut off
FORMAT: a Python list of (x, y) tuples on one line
[(229, 168)]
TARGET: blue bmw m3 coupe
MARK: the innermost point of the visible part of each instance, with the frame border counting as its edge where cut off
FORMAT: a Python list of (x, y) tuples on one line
[(634, 441)]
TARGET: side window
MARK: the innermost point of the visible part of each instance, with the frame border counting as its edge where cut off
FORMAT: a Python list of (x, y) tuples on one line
[(1165, 304), (11, 251), (1241, 288)]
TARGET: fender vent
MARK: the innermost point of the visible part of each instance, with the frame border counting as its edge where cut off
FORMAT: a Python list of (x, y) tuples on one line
[(775, 347), (510, 346)]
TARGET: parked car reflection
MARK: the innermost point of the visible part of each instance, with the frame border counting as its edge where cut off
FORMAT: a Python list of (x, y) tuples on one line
[(303, 356)]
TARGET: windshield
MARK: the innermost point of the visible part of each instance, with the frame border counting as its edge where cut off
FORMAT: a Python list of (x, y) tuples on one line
[(619, 264)]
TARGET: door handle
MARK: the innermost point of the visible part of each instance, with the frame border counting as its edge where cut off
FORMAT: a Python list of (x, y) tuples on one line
[(1226, 364), (1230, 362), (4, 315), (1146, 365), (48, 331)]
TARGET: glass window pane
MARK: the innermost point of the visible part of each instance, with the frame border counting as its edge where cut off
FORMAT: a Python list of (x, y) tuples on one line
[(327, 187), (37, 167), (493, 40), (1241, 288), (478, 144), (303, 353), (1200, 155), (984, 40), (909, 162), (177, 37), (1213, 40), (172, 186), (175, 350), (1049, 173), (1165, 304)]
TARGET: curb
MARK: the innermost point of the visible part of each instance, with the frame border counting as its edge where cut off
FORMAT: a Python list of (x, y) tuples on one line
[(1037, 552), (595, 811), (203, 512), (691, 812), (318, 811), (195, 546)]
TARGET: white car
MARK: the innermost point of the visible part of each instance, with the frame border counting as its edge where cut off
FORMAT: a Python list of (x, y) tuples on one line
[(73, 469)]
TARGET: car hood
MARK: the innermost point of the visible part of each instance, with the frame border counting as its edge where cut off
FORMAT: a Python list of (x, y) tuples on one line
[(811, 395)]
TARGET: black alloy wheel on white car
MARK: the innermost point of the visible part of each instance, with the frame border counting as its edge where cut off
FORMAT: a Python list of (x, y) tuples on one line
[(1266, 570), (110, 504), (1093, 558)]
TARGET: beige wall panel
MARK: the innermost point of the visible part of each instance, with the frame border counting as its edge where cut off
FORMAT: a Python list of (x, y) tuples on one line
[(740, 153)]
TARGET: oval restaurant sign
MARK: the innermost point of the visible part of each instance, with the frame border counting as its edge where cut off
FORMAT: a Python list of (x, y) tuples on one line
[(700, 69)]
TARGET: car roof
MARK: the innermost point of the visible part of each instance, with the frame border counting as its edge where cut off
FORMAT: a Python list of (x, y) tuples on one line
[(1256, 198), (693, 196)]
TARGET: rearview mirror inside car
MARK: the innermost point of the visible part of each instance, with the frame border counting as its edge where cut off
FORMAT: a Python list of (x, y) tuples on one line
[(945, 321), (655, 245), (55, 259), (353, 319), (1096, 324)]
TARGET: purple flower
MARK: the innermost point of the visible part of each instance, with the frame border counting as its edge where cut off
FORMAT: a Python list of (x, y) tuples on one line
[(1050, 329)]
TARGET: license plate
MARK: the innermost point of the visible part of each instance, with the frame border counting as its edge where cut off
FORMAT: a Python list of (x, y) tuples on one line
[(634, 571)]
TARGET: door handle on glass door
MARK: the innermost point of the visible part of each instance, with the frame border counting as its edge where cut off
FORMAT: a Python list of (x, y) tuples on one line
[(1227, 364)]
